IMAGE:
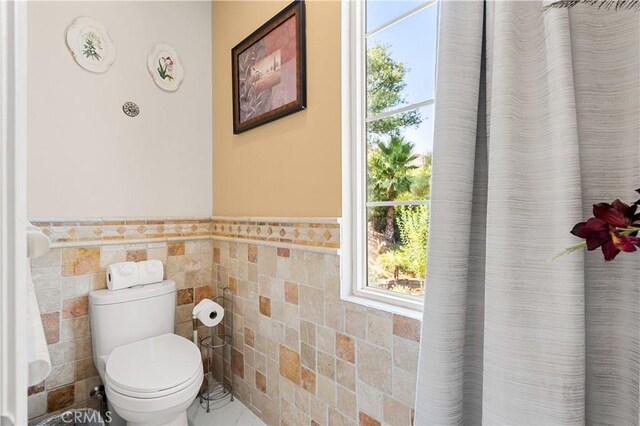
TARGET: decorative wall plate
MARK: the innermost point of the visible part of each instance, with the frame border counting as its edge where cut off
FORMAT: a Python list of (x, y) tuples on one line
[(165, 67), (90, 45)]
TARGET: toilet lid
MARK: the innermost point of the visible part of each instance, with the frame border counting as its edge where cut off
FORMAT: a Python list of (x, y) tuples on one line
[(154, 364)]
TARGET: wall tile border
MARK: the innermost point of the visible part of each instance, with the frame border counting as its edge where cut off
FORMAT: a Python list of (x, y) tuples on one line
[(99, 231), (319, 234)]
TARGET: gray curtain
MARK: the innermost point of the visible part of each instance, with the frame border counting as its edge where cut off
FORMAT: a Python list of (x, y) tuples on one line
[(537, 118)]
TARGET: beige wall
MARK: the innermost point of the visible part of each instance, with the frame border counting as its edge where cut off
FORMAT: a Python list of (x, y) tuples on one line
[(85, 157), (290, 167)]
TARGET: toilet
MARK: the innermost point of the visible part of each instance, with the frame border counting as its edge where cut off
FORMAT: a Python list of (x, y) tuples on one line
[(151, 376)]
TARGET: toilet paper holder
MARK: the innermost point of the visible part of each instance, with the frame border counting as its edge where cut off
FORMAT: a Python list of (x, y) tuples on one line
[(215, 344)]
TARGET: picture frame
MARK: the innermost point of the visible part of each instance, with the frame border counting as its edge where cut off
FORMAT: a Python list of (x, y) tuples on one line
[(165, 67), (269, 70), (90, 45)]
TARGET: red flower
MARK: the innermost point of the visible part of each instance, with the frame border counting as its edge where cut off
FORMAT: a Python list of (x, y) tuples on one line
[(601, 230), (616, 214), (594, 230), (626, 243)]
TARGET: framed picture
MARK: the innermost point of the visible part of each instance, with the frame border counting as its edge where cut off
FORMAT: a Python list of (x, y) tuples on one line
[(165, 67), (268, 70), (90, 45)]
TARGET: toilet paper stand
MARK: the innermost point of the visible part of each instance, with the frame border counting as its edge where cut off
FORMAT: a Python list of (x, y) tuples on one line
[(218, 382)]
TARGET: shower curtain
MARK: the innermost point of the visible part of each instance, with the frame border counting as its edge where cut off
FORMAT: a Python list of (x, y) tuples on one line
[(537, 118)]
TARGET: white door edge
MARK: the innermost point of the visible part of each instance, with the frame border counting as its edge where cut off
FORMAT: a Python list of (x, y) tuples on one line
[(13, 253)]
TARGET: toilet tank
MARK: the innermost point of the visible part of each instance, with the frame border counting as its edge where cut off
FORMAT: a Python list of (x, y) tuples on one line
[(129, 315)]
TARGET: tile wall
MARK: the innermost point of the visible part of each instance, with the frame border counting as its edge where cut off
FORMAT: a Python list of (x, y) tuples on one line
[(300, 354), (63, 279)]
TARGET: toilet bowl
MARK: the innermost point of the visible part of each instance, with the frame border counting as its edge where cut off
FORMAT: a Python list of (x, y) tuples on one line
[(151, 375), (155, 380)]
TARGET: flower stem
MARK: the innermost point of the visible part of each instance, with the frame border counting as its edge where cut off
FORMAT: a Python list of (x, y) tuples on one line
[(571, 249), (630, 230)]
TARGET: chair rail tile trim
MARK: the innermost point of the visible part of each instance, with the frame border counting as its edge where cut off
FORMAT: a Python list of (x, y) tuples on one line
[(320, 234)]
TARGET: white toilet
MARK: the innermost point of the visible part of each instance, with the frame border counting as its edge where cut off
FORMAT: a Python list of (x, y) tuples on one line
[(151, 375)]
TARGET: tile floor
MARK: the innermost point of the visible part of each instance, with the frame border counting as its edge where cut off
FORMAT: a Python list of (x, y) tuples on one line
[(229, 414)]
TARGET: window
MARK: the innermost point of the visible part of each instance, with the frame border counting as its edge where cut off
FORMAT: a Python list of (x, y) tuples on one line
[(389, 60)]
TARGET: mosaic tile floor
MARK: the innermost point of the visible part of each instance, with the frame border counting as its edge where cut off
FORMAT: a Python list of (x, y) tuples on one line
[(232, 414)]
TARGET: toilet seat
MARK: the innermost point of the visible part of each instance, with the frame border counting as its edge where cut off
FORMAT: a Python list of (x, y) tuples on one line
[(154, 367), (169, 409), (153, 395)]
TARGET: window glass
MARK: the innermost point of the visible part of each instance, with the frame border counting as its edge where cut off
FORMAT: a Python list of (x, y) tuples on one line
[(401, 63), (398, 265), (399, 60), (399, 156), (382, 11)]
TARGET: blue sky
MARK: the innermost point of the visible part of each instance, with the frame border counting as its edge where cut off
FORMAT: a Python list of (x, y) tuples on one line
[(413, 42)]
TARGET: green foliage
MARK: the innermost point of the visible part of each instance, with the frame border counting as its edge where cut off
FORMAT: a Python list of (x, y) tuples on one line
[(91, 46), (389, 174), (421, 175), (395, 261), (403, 289), (420, 188), (414, 232), (390, 166), (377, 217), (409, 258), (385, 84), (385, 79), (164, 69)]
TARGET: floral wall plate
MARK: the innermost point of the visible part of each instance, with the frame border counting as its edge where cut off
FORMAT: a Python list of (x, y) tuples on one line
[(90, 45), (165, 67)]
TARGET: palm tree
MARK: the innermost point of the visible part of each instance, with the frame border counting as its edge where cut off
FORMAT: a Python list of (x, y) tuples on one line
[(389, 167)]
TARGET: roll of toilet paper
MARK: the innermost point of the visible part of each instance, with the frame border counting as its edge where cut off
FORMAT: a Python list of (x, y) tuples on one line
[(128, 274), (151, 271), (122, 275), (209, 312)]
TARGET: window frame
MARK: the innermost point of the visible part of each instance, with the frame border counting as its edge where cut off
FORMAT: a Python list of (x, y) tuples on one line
[(353, 252)]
